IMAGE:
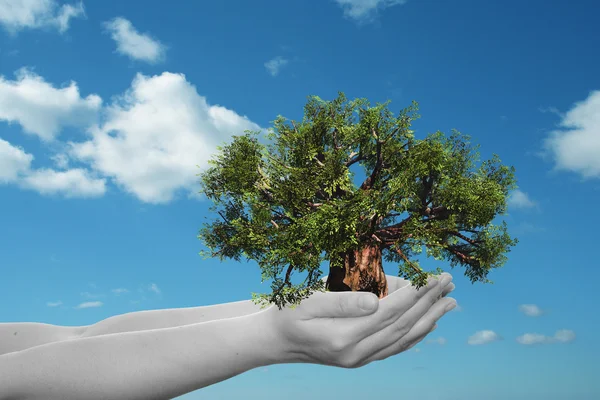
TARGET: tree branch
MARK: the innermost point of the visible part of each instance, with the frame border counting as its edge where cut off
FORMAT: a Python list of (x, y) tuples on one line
[(294, 126), (224, 219), (369, 182), (394, 230), (465, 238), (318, 162), (351, 161), (278, 162), (396, 130), (417, 270), (288, 274), (461, 255)]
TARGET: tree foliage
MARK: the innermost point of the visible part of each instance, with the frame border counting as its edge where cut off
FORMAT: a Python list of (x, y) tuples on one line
[(292, 205)]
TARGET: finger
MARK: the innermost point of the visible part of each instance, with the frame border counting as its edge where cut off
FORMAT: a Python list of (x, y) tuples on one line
[(415, 335), (355, 304), (395, 283), (424, 327), (403, 323), (397, 304), (420, 339), (338, 305), (447, 289)]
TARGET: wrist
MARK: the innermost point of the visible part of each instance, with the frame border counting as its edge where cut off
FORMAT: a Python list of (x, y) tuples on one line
[(251, 340), (277, 348)]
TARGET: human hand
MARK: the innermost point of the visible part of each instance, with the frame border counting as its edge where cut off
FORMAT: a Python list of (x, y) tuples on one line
[(331, 328)]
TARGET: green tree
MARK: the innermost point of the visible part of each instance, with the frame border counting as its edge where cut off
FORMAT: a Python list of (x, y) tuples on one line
[(292, 205)]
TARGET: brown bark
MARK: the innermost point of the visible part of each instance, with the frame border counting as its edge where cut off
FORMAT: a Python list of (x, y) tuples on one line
[(361, 271)]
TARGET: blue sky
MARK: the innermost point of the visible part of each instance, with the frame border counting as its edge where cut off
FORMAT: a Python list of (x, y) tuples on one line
[(107, 107)]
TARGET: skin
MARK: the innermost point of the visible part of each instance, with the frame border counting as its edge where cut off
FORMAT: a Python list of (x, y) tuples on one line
[(166, 353)]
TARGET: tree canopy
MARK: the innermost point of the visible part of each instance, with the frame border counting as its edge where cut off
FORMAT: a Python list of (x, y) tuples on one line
[(293, 204)]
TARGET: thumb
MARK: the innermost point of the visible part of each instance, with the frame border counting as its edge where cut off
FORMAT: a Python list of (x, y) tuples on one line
[(343, 305)]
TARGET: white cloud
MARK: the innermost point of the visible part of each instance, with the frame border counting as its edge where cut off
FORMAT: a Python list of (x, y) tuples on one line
[(561, 336), (54, 303), (41, 109), (119, 291), (275, 64), (14, 162), (16, 15), (576, 144), (531, 310), (89, 295), (552, 110), (89, 304), (364, 11), (156, 135), (15, 168), (154, 288), (564, 336), (526, 227), (72, 183), (60, 160), (150, 142), (519, 199), (483, 337), (441, 341), (133, 44)]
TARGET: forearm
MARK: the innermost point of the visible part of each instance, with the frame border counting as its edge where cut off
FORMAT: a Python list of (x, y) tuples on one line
[(159, 319), (151, 364), (23, 335)]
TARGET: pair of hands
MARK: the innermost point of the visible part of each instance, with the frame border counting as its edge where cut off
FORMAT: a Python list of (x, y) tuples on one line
[(353, 329)]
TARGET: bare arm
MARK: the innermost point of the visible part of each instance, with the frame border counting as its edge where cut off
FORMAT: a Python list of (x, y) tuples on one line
[(152, 364), (328, 328), (172, 317), (19, 336), (23, 335)]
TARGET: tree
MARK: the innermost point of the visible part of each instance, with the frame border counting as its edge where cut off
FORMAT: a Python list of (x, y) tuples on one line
[(295, 205)]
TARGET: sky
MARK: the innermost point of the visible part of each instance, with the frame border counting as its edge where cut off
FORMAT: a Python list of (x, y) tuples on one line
[(109, 110)]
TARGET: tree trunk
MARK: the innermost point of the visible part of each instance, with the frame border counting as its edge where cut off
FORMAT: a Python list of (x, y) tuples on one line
[(358, 271)]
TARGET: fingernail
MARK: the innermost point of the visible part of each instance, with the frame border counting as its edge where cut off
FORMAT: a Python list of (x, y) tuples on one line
[(446, 279), (450, 306), (367, 303)]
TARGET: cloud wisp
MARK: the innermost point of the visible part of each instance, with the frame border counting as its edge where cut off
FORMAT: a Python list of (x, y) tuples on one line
[(274, 65), (365, 11), (561, 336), (441, 341), (520, 200), (531, 310), (18, 15), (89, 304), (135, 45), (154, 288), (483, 337)]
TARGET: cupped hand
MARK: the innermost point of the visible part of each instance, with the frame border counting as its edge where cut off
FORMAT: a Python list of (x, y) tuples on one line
[(352, 329)]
